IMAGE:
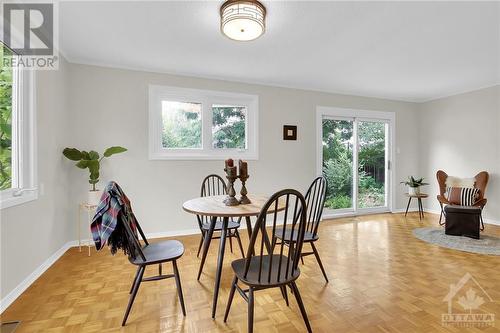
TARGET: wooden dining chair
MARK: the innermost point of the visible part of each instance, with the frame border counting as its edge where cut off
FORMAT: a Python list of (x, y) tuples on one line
[(152, 254), (315, 202), (263, 271), (215, 185)]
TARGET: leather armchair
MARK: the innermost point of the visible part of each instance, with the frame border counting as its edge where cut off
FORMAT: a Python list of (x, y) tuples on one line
[(480, 183)]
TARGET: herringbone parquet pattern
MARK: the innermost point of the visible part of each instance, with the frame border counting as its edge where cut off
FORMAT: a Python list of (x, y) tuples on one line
[(382, 279)]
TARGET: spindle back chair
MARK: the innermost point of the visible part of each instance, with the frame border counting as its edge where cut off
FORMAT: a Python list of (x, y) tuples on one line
[(277, 269), (151, 254), (315, 202), (214, 185)]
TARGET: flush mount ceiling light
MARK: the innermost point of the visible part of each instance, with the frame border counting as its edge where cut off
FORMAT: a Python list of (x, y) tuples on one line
[(242, 20)]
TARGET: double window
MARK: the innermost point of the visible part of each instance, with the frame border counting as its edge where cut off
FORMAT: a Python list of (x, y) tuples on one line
[(201, 124), (17, 134)]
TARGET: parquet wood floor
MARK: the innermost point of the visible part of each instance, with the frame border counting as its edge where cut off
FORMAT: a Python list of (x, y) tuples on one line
[(382, 279)]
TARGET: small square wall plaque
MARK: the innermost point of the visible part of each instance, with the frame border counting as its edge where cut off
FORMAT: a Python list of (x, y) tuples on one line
[(289, 132)]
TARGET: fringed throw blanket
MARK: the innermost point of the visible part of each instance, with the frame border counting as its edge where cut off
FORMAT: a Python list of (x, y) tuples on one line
[(108, 223)]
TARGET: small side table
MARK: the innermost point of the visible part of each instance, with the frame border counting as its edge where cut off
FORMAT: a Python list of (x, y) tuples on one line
[(90, 209), (419, 197)]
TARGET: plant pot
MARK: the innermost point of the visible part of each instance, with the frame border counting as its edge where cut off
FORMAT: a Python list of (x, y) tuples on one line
[(413, 190), (94, 197)]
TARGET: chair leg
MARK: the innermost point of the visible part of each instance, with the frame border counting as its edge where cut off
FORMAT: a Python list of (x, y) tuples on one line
[(230, 235), (301, 306), (441, 215), (482, 223), (206, 244), (231, 296), (284, 294), (179, 287), (134, 293), (316, 254), (202, 238), (135, 279), (302, 259), (250, 309), (239, 242)]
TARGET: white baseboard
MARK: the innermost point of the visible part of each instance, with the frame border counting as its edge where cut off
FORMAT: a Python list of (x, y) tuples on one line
[(403, 210), (490, 221), (21, 287), (152, 235), (164, 234)]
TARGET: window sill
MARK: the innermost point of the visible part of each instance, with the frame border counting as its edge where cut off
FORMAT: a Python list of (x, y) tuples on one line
[(201, 156), (7, 199)]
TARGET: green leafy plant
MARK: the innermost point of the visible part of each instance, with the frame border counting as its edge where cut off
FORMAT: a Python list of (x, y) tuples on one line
[(413, 182), (91, 160), (338, 202)]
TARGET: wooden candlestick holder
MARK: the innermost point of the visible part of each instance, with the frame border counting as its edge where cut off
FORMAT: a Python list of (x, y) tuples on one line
[(231, 193), (244, 199)]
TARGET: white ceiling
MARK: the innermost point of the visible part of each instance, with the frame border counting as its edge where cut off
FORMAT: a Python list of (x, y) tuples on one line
[(398, 50)]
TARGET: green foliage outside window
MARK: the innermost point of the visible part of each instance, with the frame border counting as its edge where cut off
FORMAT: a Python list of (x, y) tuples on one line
[(338, 159), (228, 126), (5, 122), (181, 125)]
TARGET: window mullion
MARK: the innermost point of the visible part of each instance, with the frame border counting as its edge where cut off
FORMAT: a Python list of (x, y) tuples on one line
[(16, 128), (207, 126)]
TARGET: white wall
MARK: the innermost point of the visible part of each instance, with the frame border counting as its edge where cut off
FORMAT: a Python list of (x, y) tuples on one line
[(460, 135), (32, 232), (109, 107)]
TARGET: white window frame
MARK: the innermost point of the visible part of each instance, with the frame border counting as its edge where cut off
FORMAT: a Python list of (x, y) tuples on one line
[(207, 98), (24, 150), (387, 117)]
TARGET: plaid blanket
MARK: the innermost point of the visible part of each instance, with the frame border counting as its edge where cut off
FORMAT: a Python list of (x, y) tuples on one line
[(107, 225)]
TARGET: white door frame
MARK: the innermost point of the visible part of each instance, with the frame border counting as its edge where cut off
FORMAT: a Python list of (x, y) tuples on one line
[(366, 115)]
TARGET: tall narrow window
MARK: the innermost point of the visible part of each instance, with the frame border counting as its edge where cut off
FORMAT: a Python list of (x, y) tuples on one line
[(6, 102), (17, 133)]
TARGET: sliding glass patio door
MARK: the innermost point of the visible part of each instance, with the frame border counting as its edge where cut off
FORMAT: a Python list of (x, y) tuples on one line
[(355, 159)]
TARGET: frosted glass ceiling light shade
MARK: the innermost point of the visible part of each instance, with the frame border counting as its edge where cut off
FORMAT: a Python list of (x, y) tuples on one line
[(243, 20)]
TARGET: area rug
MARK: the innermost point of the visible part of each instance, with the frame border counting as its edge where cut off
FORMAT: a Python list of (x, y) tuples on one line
[(485, 245)]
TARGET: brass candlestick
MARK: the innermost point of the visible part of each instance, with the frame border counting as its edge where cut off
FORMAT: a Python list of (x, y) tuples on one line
[(244, 199), (231, 193)]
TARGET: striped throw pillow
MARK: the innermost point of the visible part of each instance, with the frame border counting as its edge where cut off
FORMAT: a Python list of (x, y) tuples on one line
[(462, 196)]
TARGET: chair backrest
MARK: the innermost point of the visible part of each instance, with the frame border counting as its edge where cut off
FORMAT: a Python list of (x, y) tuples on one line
[(480, 183), (293, 217), (315, 201), (125, 219), (211, 185), (134, 243)]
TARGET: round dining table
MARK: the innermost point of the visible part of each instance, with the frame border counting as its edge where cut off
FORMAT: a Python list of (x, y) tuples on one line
[(215, 208)]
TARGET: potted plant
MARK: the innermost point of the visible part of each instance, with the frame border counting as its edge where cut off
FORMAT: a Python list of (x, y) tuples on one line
[(414, 185), (92, 161)]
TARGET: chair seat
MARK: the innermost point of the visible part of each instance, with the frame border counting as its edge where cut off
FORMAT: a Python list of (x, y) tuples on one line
[(252, 278), (218, 225), (308, 236), (160, 252)]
